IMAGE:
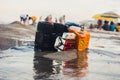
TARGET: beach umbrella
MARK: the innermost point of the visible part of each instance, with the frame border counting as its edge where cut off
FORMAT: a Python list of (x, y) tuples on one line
[(111, 14), (100, 17)]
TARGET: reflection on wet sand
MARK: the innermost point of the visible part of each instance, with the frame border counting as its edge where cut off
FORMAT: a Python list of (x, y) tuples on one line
[(45, 68), (76, 67), (42, 67)]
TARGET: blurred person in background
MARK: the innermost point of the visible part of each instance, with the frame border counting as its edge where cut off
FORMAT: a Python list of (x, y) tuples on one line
[(99, 24), (62, 19), (112, 26), (23, 18), (117, 27), (106, 26), (49, 19), (33, 18)]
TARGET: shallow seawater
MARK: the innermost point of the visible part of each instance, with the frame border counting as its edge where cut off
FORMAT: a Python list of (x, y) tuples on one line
[(17, 64), (22, 64), (100, 62)]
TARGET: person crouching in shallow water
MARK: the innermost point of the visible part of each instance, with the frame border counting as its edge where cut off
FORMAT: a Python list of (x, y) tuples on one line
[(23, 18), (33, 18)]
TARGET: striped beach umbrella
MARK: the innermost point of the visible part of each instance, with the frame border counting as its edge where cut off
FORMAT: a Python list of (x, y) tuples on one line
[(100, 17), (110, 14)]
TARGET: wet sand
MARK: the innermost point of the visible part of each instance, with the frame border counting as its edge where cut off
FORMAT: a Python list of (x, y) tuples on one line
[(100, 62), (14, 34)]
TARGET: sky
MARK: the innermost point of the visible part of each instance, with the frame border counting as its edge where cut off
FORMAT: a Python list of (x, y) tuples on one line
[(75, 10)]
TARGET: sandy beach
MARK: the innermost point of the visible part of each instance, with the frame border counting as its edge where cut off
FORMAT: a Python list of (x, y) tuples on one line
[(100, 62), (14, 33), (19, 59)]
